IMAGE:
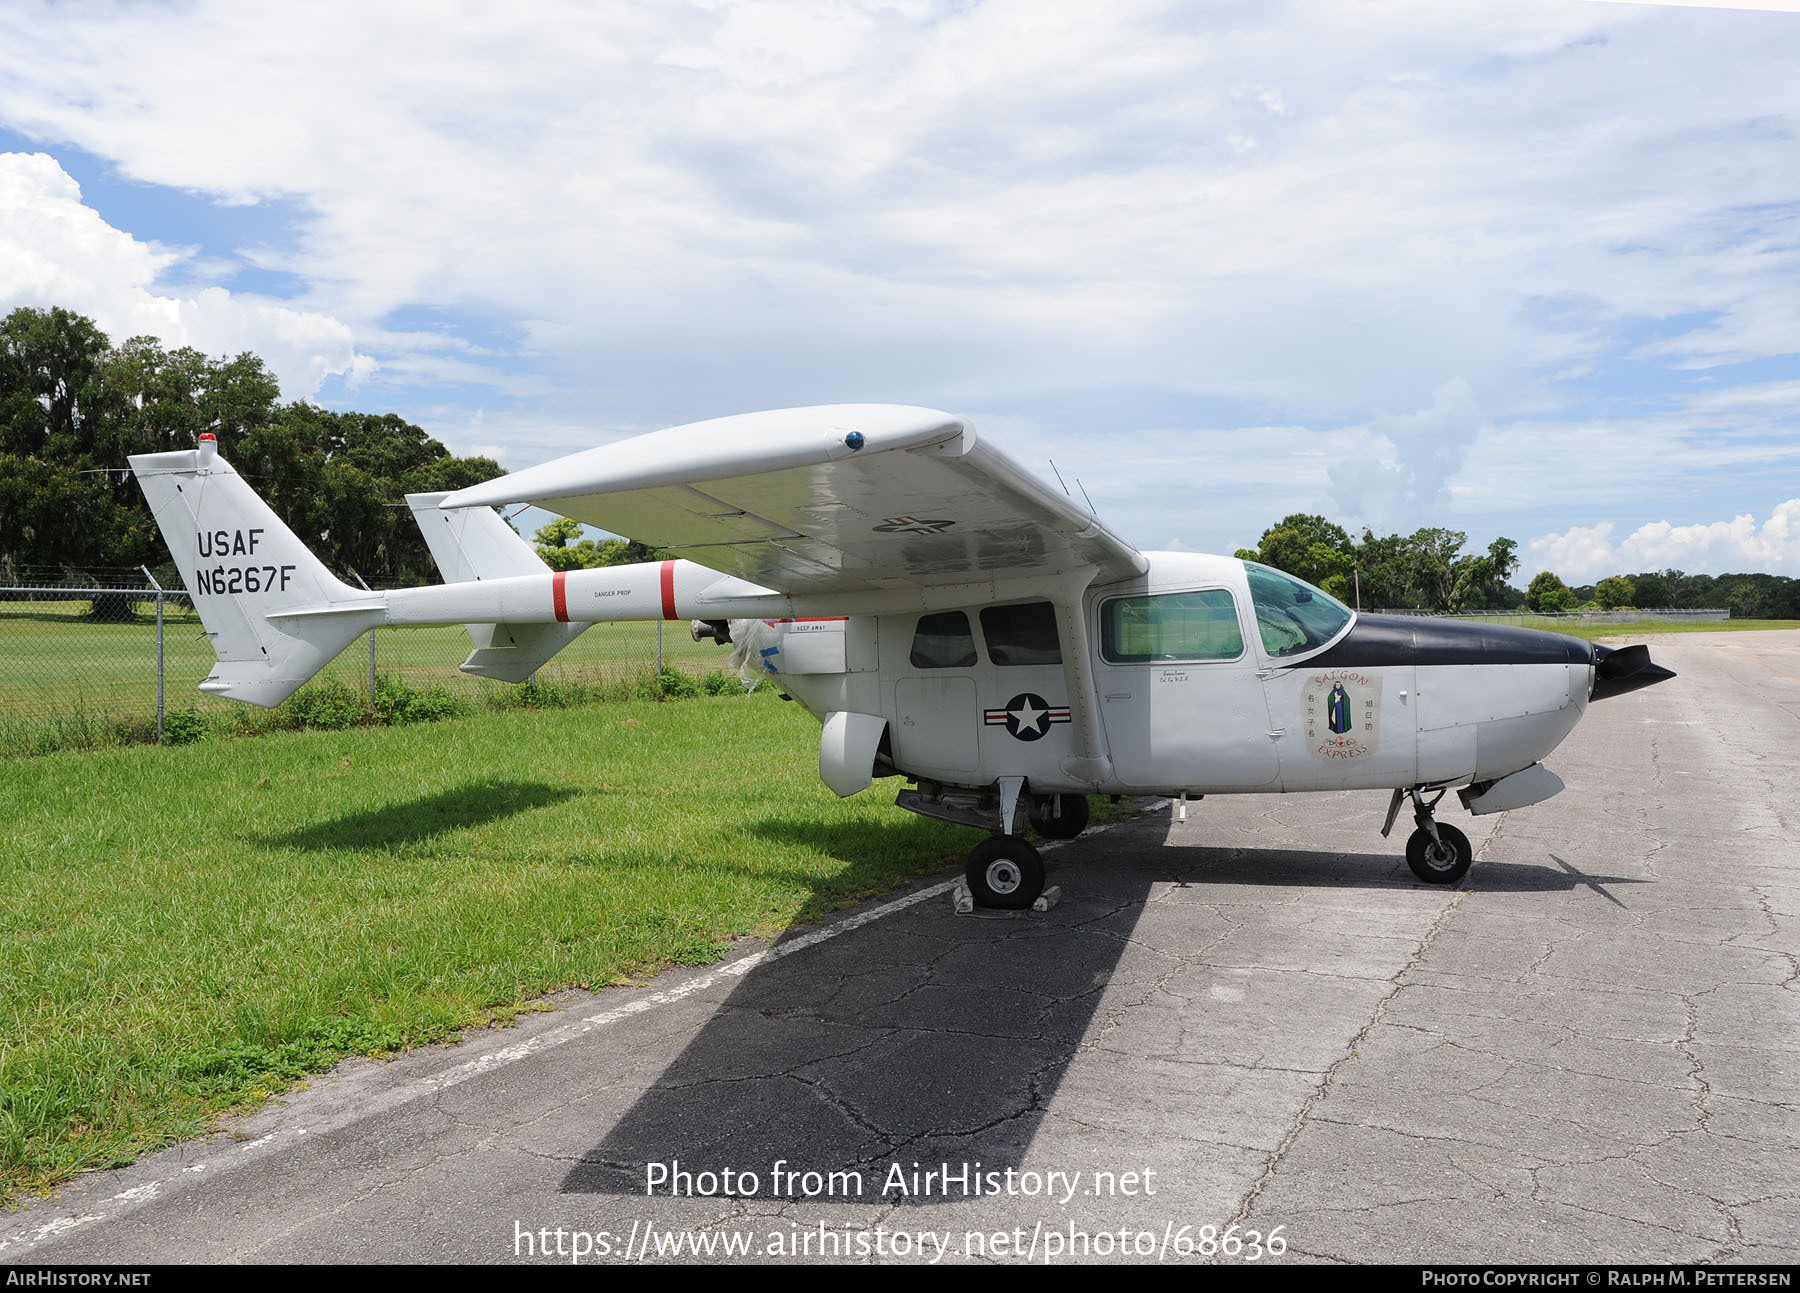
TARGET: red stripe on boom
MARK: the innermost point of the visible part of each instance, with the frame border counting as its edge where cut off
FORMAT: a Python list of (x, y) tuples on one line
[(559, 595), (668, 589)]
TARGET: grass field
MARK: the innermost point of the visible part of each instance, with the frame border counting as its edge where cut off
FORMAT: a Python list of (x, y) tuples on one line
[(59, 668), (1644, 628), (183, 930)]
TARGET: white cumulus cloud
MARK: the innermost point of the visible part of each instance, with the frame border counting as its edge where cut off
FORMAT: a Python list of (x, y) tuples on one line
[(798, 202), (1399, 467), (56, 251), (1582, 554)]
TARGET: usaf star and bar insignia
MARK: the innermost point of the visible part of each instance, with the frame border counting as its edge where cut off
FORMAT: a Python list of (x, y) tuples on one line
[(1027, 716)]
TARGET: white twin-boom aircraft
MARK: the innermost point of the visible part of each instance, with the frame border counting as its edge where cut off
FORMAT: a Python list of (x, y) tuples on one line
[(949, 619)]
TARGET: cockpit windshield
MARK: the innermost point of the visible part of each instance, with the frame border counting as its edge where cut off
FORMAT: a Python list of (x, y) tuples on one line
[(1292, 616)]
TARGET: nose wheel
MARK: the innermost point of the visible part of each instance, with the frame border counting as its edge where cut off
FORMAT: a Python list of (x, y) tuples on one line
[(1005, 872), (1443, 860), (1437, 854)]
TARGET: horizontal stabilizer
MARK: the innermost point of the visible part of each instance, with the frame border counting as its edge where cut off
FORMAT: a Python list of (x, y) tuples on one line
[(371, 611), (516, 651)]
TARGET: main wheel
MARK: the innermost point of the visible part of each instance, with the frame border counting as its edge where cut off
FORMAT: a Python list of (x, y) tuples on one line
[(1005, 872), (1072, 822), (1444, 860)]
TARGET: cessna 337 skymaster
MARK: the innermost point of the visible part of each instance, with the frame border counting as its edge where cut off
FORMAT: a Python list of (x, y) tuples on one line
[(947, 617)]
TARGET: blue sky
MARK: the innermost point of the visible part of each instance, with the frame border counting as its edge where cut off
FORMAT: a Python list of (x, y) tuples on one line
[(1529, 268)]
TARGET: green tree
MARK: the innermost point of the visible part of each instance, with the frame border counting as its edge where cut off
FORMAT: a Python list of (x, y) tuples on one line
[(1479, 581), (1431, 556), (51, 363), (1652, 589), (1309, 547), (73, 408), (1614, 592), (1548, 593), (557, 545), (1382, 571)]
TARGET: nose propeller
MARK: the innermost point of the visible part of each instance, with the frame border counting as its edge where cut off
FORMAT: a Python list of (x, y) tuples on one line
[(1622, 669)]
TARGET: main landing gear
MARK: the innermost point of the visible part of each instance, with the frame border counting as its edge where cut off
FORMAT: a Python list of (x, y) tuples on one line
[(1059, 817), (1005, 871), (1437, 853)]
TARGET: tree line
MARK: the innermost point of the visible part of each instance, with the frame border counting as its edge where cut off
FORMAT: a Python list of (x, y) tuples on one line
[(1425, 570), (1428, 570), (74, 406)]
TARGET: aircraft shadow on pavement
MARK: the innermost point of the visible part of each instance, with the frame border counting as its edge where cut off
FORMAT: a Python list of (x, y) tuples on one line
[(927, 1036), (934, 1038), (1297, 868), (474, 803)]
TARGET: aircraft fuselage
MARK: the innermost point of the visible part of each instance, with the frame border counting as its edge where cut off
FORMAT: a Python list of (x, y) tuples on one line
[(1197, 690)]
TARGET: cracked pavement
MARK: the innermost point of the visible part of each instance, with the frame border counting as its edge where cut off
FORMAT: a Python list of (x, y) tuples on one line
[(1585, 1052)]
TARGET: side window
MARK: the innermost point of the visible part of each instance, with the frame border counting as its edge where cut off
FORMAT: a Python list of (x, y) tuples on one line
[(1021, 634), (943, 642), (1171, 626)]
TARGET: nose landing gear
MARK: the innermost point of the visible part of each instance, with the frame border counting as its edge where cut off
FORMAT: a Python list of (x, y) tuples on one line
[(1437, 853)]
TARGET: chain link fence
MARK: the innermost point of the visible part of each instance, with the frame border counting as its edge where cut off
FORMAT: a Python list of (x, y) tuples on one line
[(77, 660), (74, 659)]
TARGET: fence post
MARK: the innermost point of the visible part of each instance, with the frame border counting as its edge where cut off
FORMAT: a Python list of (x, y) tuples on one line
[(659, 666), (367, 589), (159, 651)]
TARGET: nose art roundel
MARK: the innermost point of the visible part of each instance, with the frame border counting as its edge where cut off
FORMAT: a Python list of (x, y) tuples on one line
[(1027, 716)]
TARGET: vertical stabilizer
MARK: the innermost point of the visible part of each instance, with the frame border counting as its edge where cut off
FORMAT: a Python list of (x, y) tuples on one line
[(474, 543), (274, 613)]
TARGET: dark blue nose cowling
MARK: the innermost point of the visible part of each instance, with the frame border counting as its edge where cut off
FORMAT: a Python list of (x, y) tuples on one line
[(1622, 669), (1420, 640)]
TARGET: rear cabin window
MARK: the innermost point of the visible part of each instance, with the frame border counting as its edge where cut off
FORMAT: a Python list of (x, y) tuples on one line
[(1200, 625), (943, 642), (1024, 634)]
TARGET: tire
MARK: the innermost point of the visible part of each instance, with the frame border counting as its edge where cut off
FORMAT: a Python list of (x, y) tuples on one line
[(1074, 819), (1435, 864), (1005, 872)]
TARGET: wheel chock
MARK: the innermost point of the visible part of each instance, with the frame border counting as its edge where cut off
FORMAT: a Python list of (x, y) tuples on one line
[(963, 902)]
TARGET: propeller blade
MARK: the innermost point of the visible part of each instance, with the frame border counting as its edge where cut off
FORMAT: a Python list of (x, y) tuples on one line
[(1622, 661), (1622, 669)]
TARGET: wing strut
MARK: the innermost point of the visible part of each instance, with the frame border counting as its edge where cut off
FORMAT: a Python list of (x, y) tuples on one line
[(1090, 762)]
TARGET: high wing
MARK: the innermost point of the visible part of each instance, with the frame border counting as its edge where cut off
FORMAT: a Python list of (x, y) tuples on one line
[(833, 499)]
